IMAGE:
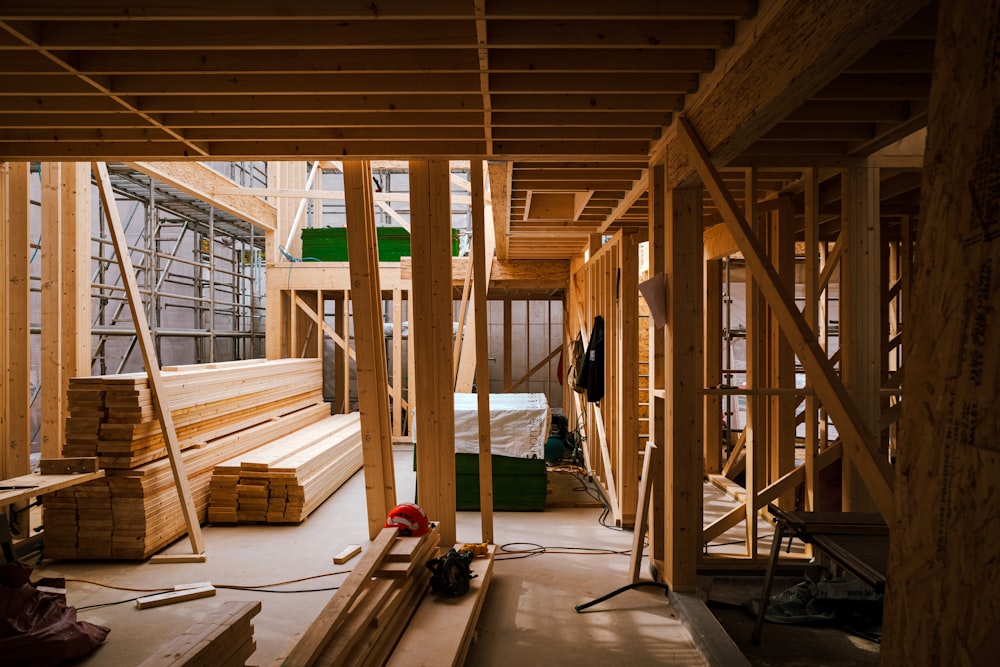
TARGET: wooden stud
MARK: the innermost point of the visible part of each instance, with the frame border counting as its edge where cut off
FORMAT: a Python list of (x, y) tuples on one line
[(641, 512), (756, 365), (149, 358), (398, 407), (781, 360), (366, 301), (53, 411), (861, 329), (432, 327), (713, 365), (860, 442), (626, 396), (482, 350), (341, 355), (657, 347), (811, 313)]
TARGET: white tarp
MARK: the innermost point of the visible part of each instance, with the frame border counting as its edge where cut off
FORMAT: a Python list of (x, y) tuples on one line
[(519, 424)]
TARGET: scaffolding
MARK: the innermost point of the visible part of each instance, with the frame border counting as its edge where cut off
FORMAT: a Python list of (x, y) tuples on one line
[(199, 269)]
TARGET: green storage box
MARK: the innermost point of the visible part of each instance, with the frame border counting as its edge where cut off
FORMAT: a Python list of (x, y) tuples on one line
[(329, 244), (518, 484)]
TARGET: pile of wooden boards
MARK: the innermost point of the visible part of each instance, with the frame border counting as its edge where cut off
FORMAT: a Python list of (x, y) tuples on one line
[(382, 614), (288, 478), (223, 639), (134, 512), (112, 416)]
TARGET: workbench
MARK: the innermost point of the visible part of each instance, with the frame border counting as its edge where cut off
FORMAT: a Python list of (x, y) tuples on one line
[(25, 487), (856, 541)]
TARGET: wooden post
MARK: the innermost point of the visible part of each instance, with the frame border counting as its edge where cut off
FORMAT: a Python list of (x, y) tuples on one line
[(860, 314), (397, 364), (341, 356), (811, 312), (713, 365), (781, 359), (149, 359), (684, 375), (17, 420), (756, 350), (431, 326), (369, 344), (482, 349), (657, 349), (53, 409), (943, 595)]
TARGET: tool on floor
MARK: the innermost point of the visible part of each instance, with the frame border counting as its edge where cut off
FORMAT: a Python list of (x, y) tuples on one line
[(451, 573)]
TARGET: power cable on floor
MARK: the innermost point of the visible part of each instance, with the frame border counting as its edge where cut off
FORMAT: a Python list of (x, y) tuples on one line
[(537, 550)]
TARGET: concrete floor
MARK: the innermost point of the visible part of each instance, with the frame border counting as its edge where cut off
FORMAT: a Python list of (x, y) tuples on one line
[(528, 617)]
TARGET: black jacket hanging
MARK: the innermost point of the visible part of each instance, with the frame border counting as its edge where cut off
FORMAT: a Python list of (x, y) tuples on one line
[(592, 372)]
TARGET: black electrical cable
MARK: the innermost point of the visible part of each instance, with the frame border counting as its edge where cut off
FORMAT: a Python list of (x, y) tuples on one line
[(586, 605)]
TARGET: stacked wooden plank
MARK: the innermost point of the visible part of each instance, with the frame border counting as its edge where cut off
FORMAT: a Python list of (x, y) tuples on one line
[(223, 639), (452, 625), (288, 478), (112, 416), (366, 616), (134, 512)]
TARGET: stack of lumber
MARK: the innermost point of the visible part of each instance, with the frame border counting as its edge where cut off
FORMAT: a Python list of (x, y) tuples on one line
[(286, 479), (112, 416), (134, 512), (223, 639), (365, 618), (450, 622)]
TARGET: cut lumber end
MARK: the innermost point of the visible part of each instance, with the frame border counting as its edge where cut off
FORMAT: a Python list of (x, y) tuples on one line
[(174, 597), (347, 554), (67, 466), (178, 558)]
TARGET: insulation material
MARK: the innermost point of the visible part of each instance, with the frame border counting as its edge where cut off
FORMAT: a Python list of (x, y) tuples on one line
[(519, 424)]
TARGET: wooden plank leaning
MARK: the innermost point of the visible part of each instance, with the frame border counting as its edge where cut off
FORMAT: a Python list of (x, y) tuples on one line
[(152, 364)]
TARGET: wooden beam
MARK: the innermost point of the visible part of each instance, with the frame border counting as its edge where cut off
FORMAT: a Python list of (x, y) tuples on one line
[(943, 600), (534, 369), (860, 442), (369, 341), (202, 182), (431, 332), (801, 48), (482, 349), (149, 359)]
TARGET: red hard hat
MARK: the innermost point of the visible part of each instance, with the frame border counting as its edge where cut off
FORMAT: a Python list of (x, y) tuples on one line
[(409, 518)]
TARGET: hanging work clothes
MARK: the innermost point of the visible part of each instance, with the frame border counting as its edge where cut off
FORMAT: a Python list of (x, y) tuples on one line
[(592, 372)]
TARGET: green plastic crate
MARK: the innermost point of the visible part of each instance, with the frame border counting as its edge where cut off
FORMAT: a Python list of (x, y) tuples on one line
[(329, 244)]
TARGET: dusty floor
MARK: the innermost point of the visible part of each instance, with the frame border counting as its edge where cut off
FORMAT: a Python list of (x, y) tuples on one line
[(528, 617)]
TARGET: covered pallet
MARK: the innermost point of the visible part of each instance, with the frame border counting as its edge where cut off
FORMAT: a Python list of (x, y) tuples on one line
[(285, 480)]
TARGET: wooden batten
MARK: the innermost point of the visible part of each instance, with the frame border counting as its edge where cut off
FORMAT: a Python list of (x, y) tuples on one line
[(431, 336), (366, 299)]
